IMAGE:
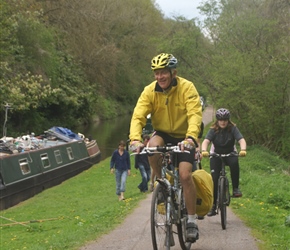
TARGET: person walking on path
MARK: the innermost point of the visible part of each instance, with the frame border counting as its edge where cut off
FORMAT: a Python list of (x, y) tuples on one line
[(176, 115), (120, 161), (142, 163), (223, 134)]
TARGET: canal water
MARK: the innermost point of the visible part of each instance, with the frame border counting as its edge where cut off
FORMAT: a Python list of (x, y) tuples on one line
[(108, 133)]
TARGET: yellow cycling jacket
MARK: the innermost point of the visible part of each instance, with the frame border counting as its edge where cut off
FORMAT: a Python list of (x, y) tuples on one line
[(177, 112)]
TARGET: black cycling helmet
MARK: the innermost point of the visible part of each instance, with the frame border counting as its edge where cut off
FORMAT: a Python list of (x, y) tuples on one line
[(222, 114)]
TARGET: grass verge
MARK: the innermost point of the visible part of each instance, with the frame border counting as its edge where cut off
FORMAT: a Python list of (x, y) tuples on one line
[(68, 215), (85, 207), (265, 206)]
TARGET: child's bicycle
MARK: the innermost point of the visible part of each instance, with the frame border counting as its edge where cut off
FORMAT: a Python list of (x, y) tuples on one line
[(168, 211), (223, 195)]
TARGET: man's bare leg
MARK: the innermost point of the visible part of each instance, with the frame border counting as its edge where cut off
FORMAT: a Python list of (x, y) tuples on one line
[(189, 190), (154, 159)]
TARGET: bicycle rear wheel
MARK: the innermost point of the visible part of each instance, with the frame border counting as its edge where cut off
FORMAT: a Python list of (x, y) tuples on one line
[(223, 202), (181, 226), (160, 231)]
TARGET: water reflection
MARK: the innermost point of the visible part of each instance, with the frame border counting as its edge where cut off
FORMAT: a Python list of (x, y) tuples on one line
[(108, 133)]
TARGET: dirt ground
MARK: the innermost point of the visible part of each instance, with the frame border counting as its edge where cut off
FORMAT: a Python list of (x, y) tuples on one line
[(134, 233)]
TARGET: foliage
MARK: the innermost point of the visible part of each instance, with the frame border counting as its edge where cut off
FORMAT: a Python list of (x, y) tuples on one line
[(43, 83), (249, 67), (287, 221), (265, 205), (108, 108), (65, 62), (72, 55), (111, 39)]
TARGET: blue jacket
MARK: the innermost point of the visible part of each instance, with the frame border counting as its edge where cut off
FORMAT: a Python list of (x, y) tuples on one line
[(142, 159), (120, 162)]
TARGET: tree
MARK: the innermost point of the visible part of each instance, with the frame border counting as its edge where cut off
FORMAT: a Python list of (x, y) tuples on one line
[(250, 68), (111, 39)]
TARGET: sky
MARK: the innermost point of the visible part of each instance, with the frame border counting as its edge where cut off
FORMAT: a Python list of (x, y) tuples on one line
[(186, 8)]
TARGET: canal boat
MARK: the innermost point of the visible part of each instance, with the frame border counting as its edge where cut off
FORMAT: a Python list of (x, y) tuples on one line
[(30, 164)]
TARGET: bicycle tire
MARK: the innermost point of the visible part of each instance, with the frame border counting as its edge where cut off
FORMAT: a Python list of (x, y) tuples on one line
[(159, 227), (181, 225), (223, 203), (228, 194), (169, 235)]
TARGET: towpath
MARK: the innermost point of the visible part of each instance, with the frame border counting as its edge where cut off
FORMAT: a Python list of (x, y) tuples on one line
[(134, 232)]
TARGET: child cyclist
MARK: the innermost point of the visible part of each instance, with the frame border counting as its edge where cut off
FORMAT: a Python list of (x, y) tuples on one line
[(223, 134)]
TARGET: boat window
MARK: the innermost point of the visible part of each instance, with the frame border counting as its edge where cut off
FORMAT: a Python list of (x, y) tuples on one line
[(70, 153), (45, 160), (57, 156), (24, 166)]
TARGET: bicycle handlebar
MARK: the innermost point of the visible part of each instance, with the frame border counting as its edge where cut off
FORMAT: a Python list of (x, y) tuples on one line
[(164, 149), (161, 149), (224, 155)]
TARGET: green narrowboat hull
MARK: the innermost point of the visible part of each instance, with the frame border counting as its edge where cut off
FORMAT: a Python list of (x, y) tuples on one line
[(23, 175)]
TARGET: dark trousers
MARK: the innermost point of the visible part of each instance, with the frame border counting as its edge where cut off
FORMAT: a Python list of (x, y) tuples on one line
[(145, 174), (216, 166)]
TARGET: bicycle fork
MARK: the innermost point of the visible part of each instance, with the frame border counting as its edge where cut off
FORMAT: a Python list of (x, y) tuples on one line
[(171, 215), (169, 222)]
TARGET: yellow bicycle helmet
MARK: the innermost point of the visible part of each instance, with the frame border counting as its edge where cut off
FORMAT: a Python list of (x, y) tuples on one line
[(163, 60)]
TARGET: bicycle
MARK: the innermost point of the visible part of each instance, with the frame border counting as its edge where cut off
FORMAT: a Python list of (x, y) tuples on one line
[(167, 205), (197, 161), (223, 195)]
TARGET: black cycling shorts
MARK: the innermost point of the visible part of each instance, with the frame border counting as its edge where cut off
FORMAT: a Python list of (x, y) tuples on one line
[(174, 141)]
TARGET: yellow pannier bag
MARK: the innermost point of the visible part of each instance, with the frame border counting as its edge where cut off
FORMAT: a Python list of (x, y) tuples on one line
[(204, 190), (170, 178)]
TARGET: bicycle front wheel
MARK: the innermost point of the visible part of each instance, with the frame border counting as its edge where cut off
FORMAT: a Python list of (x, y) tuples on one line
[(223, 202), (181, 226), (228, 195), (160, 230)]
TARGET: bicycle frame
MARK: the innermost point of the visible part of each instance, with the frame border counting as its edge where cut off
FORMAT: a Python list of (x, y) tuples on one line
[(223, 195), (173, 202)]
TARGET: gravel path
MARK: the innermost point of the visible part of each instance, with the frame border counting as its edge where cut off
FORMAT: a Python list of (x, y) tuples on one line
[(134, 233)]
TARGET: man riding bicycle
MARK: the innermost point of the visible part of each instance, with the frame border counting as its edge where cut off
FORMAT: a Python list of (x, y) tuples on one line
[(176, 115)]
